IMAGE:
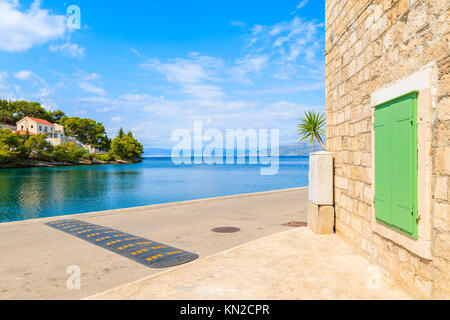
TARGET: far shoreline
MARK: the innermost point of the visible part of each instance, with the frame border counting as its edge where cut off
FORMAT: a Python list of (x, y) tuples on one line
[(48, 164), (52, 164)]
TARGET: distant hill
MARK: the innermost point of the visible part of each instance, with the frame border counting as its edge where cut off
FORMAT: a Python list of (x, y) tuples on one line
[(297, 149), (152, 152)]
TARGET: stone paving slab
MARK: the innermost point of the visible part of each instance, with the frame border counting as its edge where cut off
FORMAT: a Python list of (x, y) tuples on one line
[(294, 264)]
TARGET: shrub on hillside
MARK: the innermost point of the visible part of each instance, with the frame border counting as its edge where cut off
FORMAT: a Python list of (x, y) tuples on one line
[(68, 152), (38, 147), (90, 156), (105, 156)]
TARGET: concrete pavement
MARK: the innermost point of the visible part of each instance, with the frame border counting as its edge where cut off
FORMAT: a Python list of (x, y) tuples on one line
[(294, 264), (34, 258)]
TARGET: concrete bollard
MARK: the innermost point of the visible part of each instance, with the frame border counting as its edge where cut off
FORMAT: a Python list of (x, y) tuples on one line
[(320, 209)]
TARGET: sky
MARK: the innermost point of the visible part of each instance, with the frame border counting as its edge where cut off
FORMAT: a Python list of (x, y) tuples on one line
[(156, 66)]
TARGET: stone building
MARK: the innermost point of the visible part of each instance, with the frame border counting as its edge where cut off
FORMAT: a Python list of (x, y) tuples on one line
[(388, 127), (55, 133)]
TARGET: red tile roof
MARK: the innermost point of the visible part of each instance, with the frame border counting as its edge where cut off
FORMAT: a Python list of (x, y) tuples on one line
[(40, 121), (24, 132)]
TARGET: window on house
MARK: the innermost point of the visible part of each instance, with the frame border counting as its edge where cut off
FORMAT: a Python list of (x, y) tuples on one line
[(31, 127), (45, 129), (396, 164), (61, 136), (40, 128), (21, 127)]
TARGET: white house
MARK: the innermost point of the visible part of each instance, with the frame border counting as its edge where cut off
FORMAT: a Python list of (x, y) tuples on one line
[(55, 132)]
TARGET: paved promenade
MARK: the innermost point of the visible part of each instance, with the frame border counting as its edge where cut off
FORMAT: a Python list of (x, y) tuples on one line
[(294, 264), (34, 258)]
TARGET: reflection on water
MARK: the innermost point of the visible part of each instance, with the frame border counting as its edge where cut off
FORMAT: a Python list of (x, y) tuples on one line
[(43, 192)]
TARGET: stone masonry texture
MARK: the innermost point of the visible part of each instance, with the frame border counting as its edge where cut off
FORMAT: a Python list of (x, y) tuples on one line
[(370, 43)]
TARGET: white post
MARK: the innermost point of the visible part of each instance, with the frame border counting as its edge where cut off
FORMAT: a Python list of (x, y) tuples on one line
[(320, 193)]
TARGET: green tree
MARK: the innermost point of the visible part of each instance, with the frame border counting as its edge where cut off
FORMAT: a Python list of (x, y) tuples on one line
[(312, 127), (20, 109), (11, 147), (38, 147), (6, 117), (24, 109), (56, 116), (126, 147), (121, 133), (87, 131), (4, 104), (26, 136), (68, 152)]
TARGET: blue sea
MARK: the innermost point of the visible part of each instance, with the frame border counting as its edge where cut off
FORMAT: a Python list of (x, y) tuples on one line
[(45, 192)]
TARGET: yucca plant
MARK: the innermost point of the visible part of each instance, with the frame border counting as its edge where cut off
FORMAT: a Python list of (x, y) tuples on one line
[(311, 127)]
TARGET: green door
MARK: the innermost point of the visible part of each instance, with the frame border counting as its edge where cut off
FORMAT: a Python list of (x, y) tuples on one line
[(396, 164)]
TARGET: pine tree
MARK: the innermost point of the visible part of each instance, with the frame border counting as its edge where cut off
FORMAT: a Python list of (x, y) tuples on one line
[(121, 133)]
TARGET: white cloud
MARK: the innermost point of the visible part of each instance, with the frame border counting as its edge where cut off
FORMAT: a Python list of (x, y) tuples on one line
[(238, 23), (204, 91), (290, 44), (44, 92), (89, 87), (180, 70), (3, 83), (27, 75), (106, 109), (70, 49), (302, 4), (250, 64), (23, 75), (285, 89), (117, 119), (192, 70), (137, 53), (20, 30), (135, 97), (38, 91), (283, 110), (256, 29), (90, 76), (192, 74), (97, 100), (3, 75)]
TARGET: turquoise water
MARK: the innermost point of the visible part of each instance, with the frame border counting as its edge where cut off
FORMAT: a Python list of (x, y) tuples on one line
[(44, 192)]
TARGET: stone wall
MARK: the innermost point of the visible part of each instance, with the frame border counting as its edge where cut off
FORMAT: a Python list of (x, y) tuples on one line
[(7, 126), (371, 43)]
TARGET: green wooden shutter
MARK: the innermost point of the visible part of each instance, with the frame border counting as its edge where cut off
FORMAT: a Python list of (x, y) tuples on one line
[(404, 191), (383, 151), (396, 163)]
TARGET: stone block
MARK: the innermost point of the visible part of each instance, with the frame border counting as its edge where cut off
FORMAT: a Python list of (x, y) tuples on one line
[(442, 164), (321, 178), (320, 218), (441, 189)]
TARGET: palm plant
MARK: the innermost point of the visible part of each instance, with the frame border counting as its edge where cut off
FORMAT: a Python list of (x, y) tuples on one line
[(312, 127)]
